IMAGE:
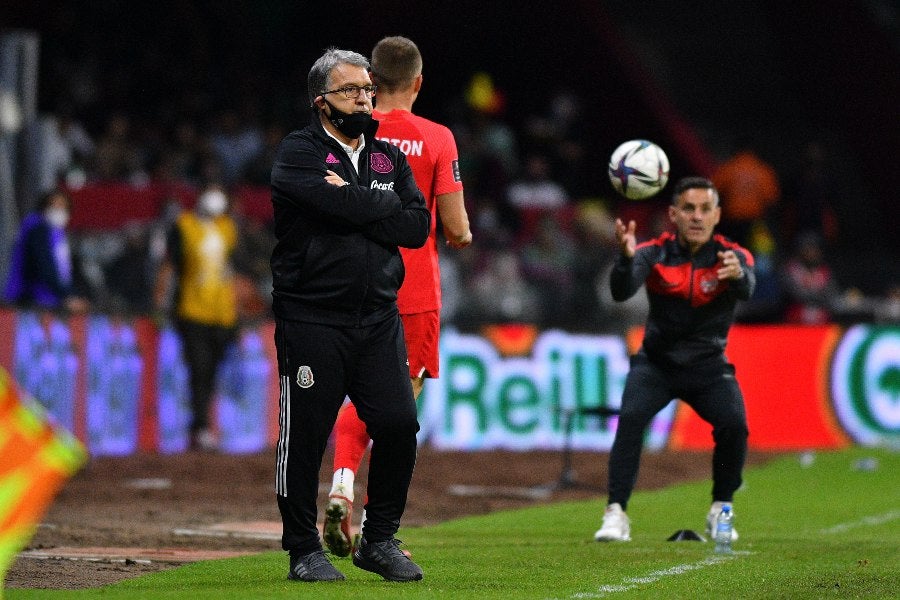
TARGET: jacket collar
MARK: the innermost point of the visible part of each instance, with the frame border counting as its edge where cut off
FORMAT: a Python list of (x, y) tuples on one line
[(683, 250)]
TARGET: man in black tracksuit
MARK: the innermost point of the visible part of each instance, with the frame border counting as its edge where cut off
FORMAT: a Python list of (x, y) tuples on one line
[(693, 280), (343, 204)]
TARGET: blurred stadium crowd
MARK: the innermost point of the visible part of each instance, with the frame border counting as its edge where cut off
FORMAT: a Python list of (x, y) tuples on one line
[(542, 222), (535, 184)]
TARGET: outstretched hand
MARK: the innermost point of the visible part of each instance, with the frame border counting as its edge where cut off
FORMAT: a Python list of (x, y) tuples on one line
[(626, 238), (730, 266)]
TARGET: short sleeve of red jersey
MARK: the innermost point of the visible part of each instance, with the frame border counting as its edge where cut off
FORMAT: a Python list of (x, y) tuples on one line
[(447, 177)]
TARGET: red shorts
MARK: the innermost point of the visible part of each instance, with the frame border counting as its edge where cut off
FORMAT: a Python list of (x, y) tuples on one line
[(422, 333)]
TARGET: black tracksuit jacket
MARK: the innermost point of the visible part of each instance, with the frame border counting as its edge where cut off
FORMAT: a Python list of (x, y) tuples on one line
[(691, 311), (336, 261)]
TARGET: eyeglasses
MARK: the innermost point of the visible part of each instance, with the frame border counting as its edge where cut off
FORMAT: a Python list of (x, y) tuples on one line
[(351, 92)]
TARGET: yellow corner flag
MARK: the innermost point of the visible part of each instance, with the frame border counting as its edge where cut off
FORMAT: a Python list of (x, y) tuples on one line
[(36, 458)]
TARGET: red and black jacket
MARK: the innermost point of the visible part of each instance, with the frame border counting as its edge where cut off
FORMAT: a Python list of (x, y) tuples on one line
[(691, 311)]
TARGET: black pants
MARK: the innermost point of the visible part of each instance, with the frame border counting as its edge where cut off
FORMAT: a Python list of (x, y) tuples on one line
[(712, 392), (203, 347), (318, 366)]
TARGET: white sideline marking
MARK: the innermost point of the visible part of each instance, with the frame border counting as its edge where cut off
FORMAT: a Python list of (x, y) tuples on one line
[(250, 535), (492, 491), (631, 583), (870, 520)]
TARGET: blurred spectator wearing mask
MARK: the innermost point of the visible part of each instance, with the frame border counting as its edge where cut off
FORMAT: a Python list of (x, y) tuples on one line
[(198, 261), (42, 272)]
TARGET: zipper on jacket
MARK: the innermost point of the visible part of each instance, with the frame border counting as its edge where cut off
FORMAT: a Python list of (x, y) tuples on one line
[(691, 287), (356, 179), (365, 165)]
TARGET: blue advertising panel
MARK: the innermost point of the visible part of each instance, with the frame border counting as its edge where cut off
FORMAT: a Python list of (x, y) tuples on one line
[(114, 367), (46, 366), (243, 395)]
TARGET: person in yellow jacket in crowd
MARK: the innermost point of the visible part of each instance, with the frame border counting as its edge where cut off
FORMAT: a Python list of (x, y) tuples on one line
[(198, 277)]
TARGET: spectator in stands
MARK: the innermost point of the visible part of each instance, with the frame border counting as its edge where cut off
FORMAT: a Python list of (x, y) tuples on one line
[(547, 264), (186, 152), (128, 276), (65, 148), (749, 188), (561, 134), (158, 234), (887, 308), (813, 197), (531, 196), (235, 143), (252, 273), (198, 260), (488, 147), (767, 303), (42, 271), (595, 250), (810, 286), (536, 189), (259, 170), (118, 157), (452, 293), (500, 294)]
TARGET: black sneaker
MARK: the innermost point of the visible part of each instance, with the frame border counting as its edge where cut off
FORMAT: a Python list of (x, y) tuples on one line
[(386, 559), (313, 567)]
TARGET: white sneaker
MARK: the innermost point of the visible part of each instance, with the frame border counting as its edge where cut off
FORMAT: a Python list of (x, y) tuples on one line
[(616, 526), (336, 530), (711, 517)]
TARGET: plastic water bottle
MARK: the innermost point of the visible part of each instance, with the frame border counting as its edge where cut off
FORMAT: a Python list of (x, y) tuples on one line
[(724, 526)]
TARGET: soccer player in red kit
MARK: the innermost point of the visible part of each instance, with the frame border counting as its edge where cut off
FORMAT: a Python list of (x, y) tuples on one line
[(431, 152)]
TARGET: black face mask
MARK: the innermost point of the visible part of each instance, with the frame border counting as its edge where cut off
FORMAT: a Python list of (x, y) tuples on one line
[(350, 124)]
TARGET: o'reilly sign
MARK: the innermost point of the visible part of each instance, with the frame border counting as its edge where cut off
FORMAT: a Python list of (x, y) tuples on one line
[(485, 400)]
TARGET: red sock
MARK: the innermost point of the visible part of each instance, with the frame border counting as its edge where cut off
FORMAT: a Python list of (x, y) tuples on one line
[(351, 440)]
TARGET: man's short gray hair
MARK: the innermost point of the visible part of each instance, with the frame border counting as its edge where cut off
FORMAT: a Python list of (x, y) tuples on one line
[(320, 73)]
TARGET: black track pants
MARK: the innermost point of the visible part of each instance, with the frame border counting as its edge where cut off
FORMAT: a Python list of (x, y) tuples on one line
[(203, 348), (318, 366), (713, 393)]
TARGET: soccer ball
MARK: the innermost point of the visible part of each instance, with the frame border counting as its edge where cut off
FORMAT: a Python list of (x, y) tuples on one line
[(638, 169)]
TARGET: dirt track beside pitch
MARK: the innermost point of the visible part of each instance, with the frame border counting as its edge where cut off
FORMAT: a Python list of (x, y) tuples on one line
[(149, 501)]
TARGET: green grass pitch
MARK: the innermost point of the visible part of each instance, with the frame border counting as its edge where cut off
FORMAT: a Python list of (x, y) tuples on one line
[(827, 530)]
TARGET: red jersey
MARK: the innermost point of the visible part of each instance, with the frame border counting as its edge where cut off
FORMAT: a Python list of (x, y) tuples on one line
[(431, 152)]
